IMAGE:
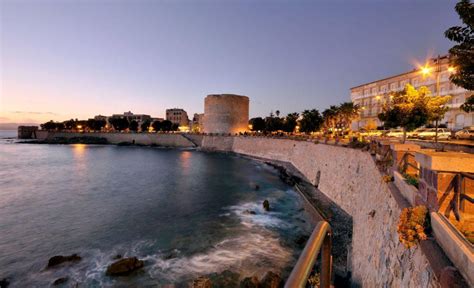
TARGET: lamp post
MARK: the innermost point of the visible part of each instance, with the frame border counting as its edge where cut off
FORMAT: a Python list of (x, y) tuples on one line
[(426, 70)]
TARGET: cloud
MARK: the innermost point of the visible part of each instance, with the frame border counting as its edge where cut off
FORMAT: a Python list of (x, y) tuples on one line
[(34, 112)]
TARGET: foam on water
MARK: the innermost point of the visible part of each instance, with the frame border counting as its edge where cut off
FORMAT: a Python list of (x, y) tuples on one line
[(242, 254), (255, 251), (59, 201)]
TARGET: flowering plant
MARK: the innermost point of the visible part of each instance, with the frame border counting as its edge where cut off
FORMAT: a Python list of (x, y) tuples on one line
[(411, 227)]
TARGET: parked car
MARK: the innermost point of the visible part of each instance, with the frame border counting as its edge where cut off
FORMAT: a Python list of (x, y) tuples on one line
[(395, 133), (364, 132), (443, 134), (414, 134), (465, 134)]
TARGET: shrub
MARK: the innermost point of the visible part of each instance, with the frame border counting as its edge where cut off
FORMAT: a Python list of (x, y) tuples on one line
[(464, 229), (411, 227), (411, 180)]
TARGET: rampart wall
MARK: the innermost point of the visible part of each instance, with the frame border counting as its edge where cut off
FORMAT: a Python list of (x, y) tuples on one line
[(351, 179)]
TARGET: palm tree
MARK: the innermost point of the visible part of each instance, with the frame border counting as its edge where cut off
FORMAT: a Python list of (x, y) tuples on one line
[(348, 111), (330, 117)]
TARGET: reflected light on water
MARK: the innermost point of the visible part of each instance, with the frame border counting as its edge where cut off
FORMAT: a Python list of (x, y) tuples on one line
[(184, 158), (79, 152)]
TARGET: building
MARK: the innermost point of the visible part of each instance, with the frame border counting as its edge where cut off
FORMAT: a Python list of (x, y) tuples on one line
[(140, 118), (226, 113), (27, 132), (434, 75), (101, 118), (177, 116), (197, 123)]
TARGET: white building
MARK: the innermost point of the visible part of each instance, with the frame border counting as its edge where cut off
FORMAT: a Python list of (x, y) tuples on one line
[(435, 75)]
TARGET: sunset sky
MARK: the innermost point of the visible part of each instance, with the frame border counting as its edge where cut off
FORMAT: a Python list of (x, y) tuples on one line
[(76, 59)]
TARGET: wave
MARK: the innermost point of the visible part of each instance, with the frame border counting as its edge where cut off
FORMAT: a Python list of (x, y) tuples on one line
[(260, 218), (248, 254)]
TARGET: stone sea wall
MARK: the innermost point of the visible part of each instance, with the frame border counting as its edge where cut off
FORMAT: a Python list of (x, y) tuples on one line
[(351, 179), (167, 140)]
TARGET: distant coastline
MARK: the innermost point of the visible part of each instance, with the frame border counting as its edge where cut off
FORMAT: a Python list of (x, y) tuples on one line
[(14, 126)]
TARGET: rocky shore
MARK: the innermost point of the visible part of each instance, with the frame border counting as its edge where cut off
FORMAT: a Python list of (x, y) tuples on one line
[(320, 207)]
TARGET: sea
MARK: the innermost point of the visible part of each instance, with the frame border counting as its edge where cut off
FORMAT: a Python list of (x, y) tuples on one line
[(185, 213)]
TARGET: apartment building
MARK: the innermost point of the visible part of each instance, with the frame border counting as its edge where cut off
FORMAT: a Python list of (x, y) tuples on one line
[(139, 118), (177, 116), (434, 75)]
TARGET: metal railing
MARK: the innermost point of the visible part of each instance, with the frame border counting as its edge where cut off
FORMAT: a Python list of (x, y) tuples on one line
[(321, 239), (405, 163), (457, 203)]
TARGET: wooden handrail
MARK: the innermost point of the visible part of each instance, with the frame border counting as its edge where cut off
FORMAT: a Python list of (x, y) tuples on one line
[(321, 239)]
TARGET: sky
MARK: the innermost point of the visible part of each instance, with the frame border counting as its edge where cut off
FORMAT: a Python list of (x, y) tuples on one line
[(76, 59)]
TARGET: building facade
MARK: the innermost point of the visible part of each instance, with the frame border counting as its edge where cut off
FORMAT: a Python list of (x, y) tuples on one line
[(177, 116), (226, 113), (197, 123), (139, 118), (434, 75)]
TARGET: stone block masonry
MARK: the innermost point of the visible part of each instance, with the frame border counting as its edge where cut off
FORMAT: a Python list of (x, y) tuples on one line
[(165, 140), (351, 179)]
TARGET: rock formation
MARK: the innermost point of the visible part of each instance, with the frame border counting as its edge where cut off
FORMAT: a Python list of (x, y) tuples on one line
[(59, 259), (124, 266)]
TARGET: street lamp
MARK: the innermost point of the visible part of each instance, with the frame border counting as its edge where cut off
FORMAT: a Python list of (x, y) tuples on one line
[(426, 71)]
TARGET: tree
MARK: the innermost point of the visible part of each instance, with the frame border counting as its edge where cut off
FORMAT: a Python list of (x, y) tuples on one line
[(156, 125), (167, 125), (145, 125), (258, 124), (99, 124), (273, 123), (437, 110), (174, 126), (70, 124), (277, 113), (330, 117), (462, 54), (50, 125), (133, 126), (119, 123), (468, 106), (311, 121), (408, 109), (95, 125), (347, 112), (291, 120)]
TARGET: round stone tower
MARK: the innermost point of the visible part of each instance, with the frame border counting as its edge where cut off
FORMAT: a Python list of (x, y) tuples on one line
[(226, 113)]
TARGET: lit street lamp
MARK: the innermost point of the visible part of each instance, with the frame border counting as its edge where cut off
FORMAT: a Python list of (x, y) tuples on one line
[(426, 71)]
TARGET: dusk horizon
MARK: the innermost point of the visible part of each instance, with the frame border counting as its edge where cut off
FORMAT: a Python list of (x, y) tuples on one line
[(63, 60), (237, 143)]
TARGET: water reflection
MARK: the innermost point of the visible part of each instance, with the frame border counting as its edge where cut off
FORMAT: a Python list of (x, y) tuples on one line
[(79, 153)]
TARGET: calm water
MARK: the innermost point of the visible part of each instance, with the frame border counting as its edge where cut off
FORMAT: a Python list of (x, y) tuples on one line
[(180, 211)]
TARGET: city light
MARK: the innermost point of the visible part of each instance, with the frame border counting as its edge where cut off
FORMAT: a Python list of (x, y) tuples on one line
[(451, 69), (425, 70)]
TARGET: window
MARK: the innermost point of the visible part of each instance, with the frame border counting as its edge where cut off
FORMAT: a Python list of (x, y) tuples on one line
[(374, 90), (366, 92), (384, 89), (444, 76), (393, 86), (403, 83), (415, 82)]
